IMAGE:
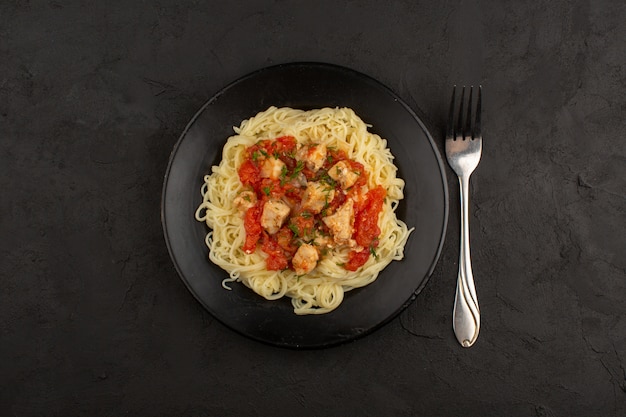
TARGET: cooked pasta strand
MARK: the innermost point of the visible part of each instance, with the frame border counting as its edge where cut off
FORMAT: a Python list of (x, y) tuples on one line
[(321, 290)]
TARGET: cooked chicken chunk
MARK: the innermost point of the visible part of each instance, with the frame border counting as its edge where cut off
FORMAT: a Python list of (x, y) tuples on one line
[(313, 156), (272, 167), (343, 174), (323, 240), (341, 223), (305, 259), (245, 200), (275, 212), (317, 196)]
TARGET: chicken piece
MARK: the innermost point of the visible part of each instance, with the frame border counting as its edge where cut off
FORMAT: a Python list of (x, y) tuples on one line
[(323, 242), (305, 259), (317, 196), (341, 224), (343, 174), (272, 168), (245, 200), (313, 156), (275, 212)]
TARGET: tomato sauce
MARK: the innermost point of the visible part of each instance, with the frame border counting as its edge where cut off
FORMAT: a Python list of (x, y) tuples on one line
[(277, 259), (366, 220), (252, 225), (357, 259), (249, 173), (302, 225)]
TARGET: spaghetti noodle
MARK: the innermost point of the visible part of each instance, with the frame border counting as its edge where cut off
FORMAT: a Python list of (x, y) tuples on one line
[(303, 205)]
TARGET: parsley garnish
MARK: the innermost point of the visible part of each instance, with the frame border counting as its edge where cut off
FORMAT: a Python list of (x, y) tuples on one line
[(267, 190), (325, 178), (294, 229), (283, 175), (299, 167)]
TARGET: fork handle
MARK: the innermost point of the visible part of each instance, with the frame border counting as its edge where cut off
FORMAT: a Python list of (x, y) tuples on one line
[(466, 315)]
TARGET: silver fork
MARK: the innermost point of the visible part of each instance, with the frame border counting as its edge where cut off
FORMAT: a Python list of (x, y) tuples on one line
[(463, 150)]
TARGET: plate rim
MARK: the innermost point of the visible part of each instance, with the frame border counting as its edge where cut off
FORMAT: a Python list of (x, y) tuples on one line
[(310, 64)]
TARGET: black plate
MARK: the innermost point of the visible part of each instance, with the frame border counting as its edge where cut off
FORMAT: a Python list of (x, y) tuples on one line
[(306, 86)]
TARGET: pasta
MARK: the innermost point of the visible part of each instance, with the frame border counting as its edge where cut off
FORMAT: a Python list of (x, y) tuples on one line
[(309, 148)]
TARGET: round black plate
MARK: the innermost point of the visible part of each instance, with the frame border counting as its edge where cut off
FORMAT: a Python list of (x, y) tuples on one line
[(306, 86)]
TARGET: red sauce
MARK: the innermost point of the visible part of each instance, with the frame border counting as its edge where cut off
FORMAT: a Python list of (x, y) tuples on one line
[(333, 157), (249, 173), (277, 259), (303, 225), (366, 219), (285, 144), (357, 259), (338, 201), (252, 225), (285, 239), (269, 188)]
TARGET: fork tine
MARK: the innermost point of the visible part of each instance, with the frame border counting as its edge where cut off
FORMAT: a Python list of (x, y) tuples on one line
[(468, 120), (450, 126), (459, 130), (477, 132)]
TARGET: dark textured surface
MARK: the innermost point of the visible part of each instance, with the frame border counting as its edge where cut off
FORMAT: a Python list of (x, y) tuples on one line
[(95, 321)]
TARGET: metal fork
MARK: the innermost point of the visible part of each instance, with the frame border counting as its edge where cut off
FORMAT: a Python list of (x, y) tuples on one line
[(463, 150)]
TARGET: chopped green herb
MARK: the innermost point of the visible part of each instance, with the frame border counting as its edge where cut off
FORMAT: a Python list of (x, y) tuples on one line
[(294, 229), (299, 167), (373, 252), (326, 179), (267, 190), (283, 175)]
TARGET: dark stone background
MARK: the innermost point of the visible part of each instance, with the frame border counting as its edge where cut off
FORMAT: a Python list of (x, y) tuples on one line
[(93, 317)]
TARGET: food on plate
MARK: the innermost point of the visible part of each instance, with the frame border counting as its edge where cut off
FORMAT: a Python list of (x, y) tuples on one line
[(302, 205)]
